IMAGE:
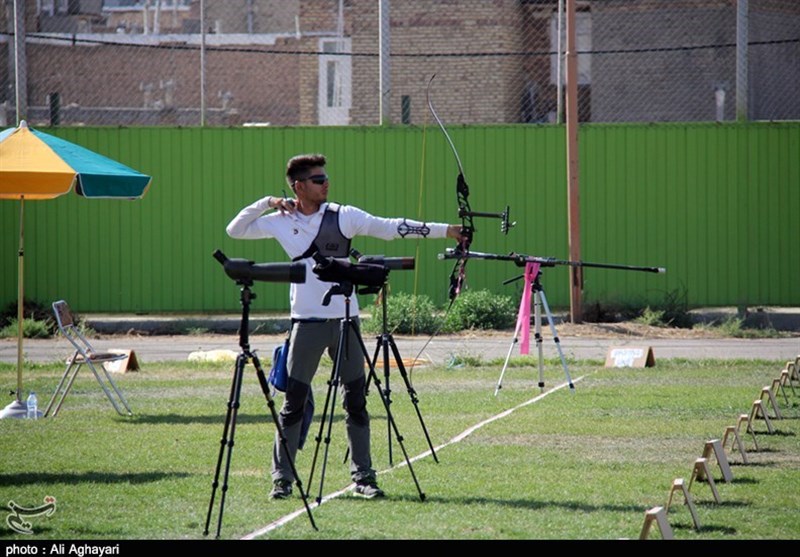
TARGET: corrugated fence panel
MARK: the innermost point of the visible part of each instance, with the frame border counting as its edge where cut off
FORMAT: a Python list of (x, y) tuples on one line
[(711, 203), (717, 205)]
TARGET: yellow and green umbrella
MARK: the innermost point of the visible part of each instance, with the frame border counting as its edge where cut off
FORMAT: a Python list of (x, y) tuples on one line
[(36, 165)]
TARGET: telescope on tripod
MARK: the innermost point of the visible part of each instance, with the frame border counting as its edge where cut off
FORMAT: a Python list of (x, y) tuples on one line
[(386, 343), (245, 272), (370, 277), (533, 288), (391, 263), (370, 273)]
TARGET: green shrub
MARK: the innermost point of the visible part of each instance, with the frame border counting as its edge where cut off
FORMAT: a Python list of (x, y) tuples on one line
[(609, 312), (672, 311), (654, 318), (675, 309), (30, 310), (481, 309), (734, 327), (405, 314), (31, 328)]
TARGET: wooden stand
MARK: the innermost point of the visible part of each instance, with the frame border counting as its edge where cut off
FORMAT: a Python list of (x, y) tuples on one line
[(701, 471), (793, 371), (746, 418), (786, 379), (777, 385), (715, 446), (659, 516), (759, 410), (679, 485), (771, 397), (734, 429)]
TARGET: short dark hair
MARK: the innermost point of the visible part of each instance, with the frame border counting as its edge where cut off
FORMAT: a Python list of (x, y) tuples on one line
[(297, 168)]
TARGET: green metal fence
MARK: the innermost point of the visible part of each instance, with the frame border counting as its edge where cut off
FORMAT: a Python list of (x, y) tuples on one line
[(717, 205)]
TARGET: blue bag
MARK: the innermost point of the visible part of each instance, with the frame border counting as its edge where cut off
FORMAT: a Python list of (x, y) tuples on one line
[(279, 374), (279, 378)]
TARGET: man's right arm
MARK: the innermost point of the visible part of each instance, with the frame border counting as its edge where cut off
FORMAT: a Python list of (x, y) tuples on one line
[(249, 223)]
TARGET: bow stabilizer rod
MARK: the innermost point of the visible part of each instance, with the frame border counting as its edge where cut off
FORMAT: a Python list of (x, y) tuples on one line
[(520, 260)]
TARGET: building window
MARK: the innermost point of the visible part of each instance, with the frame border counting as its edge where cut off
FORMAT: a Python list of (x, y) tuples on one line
[(54, 7), (335, 75)]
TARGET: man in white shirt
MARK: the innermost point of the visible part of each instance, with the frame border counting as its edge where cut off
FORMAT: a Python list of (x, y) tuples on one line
[(304, 226)]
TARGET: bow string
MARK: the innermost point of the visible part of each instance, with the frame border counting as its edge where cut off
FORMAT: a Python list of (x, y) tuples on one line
[(466, 214)]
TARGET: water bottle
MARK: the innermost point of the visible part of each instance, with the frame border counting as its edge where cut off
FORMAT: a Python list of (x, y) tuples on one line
[(33, 406)]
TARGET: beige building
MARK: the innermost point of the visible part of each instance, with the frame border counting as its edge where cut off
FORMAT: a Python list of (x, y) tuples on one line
[(312, 62)]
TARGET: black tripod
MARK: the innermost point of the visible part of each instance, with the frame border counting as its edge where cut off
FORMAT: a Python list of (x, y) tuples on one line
[(386, 342), (229, 430), (347, 325)]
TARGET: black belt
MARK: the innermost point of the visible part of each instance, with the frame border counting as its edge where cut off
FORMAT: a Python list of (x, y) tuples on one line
[(315, 320)]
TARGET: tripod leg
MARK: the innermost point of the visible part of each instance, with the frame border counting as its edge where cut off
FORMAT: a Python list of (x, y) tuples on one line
[(322, 421), (374, 360), (230, 424), (387, 390), (262, 380), (514, 341), (389, 416), (327, 442), (380, 348), (537, 319), (333, 385), (411, 393), (556, 340)]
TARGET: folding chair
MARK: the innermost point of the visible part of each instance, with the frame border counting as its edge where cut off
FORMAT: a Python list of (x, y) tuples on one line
[(84, 354)]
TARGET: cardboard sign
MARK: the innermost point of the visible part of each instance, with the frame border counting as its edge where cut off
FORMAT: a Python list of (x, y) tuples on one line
[(630, 356), (129, 363)]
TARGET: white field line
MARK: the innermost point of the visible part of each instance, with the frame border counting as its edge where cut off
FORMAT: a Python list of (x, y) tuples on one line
[(312, 503)]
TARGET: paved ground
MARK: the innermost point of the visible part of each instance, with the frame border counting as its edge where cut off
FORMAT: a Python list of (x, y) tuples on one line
[(150, 338), (487, 346)]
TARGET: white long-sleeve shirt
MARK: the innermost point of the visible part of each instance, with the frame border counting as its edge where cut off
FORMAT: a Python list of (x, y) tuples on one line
[(296, 231)]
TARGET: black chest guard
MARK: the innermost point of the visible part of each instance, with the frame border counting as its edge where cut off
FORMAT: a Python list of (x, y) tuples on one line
[(329, 242)]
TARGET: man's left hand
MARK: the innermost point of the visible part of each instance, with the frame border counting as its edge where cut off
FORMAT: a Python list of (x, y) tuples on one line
[(454, 232)]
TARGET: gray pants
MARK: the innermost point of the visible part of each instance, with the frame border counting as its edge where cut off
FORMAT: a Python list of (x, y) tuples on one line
[(306, 346)]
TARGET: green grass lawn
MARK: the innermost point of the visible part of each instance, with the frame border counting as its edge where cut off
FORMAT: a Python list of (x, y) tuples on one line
[(582, 465)]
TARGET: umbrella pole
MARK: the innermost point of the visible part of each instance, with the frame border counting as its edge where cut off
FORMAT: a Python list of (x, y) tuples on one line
[(17, 409), (20, 296)]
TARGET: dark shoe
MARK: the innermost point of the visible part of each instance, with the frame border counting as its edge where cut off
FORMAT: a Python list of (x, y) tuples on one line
[(281, 489), (368, 490)]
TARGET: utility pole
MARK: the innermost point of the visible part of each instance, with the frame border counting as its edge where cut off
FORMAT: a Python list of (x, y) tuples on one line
[(384, 63), (573, 198), (20, 62)]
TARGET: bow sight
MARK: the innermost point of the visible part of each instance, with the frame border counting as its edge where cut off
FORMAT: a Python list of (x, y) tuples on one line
[(465, 212)]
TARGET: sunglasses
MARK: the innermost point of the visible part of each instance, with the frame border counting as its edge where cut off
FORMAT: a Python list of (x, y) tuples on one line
[(318, 179)]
